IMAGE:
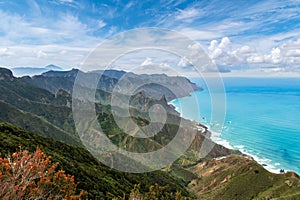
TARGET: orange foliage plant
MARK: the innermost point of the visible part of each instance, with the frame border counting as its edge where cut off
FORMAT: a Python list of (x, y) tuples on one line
[(25, 175)]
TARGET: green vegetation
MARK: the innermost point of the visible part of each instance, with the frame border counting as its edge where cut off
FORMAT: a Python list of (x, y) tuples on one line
[(35, 124), (37, 101), (93, 177), (155, 192), (237, 177)]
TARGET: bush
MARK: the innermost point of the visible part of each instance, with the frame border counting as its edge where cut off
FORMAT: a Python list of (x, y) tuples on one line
[(155, 193), (25, 175)]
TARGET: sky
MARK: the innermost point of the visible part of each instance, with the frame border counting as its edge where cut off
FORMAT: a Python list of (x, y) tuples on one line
[(241, 37)]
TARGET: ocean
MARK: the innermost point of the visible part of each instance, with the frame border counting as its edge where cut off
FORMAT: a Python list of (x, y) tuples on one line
[(262, 118)]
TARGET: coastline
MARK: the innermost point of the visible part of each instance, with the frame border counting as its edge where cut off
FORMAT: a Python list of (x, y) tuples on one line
[(264, 162)]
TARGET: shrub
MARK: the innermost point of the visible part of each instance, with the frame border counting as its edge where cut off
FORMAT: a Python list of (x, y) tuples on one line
[(25, 175), (155, 193)]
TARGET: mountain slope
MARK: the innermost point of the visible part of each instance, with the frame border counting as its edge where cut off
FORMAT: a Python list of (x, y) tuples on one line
[(238, 177), (93, 177), (35, 124), (37, 101)]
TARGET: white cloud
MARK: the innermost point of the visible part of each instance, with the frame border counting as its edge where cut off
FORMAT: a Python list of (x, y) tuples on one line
[(194, 47), (26, 42), (293, 53), (199, 35), (63, 52), (41, 54), (285, 55), (216, 53), (71, 3), (112, 30), (146, 62), (225, 42), (292, 44), (183, 62), (128, 5), (66, 1), (68, 29), (5, 52), (101, 24), (291, 49), (187, 14), (245, 50), (161, 68), (213, 45), (216, 50), (274, 57), (255, 59)]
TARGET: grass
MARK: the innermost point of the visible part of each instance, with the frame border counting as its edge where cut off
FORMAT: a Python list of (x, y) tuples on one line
[(236, 177)]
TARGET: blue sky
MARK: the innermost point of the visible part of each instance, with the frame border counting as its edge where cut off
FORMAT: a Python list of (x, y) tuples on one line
[(241, 36)]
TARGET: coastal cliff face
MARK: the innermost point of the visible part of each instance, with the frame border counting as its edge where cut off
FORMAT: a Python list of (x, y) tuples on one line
[(41, 105)]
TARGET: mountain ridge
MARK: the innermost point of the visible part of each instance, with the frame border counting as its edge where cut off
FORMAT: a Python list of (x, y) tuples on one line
[(31, 71), (171, 87), (46, 111)]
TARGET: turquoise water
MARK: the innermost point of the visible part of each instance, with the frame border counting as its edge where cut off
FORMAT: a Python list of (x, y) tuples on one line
[(262, 118)]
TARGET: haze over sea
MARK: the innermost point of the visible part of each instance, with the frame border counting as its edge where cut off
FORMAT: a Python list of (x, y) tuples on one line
[(262, 118)]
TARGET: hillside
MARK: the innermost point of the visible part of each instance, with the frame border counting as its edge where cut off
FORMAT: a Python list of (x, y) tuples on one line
[(29, 98), (36, 109), (35, 124), (92, 176), (238, 177)]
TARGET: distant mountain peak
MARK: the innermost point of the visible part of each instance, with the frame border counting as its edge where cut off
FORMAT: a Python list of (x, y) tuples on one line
[(6, 74), (54, 73), (32, 71), (53, 67)]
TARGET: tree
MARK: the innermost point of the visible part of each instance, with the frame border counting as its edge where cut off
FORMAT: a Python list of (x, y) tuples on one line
[(25, 175), (155, 193)]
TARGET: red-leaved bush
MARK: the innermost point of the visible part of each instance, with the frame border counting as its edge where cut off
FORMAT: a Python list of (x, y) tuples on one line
[(25, 175)]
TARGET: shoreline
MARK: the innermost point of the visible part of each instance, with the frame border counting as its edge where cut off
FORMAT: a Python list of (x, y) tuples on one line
[(215, 138), (264, 162)]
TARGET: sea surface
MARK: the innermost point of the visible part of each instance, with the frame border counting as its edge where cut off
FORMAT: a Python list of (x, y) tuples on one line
[(262, 118)]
